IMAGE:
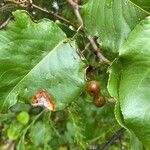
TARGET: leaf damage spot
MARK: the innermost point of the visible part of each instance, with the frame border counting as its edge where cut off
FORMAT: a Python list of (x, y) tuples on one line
[(43, 99)]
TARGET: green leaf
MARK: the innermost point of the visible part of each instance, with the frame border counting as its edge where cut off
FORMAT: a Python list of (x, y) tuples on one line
[(5, 117), (113, 86), (23, 117), (135, 143), (144, 4), (33, 57), (111, 21), (18, 107), (40, 133), (134, 83)]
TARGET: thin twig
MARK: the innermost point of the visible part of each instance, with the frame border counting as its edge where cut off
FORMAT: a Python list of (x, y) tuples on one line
[(97, 51), (86, 47), (5, 23), (121, 145), (113, 139), (6, 7), (76, 8), (54, 14), (10, 145), (32, 5)]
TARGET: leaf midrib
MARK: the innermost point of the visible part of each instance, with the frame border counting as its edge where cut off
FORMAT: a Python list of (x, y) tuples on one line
[(139, 7), (33, 69)]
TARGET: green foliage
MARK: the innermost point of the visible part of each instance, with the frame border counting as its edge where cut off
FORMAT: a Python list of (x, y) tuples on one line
[(134, 98), (33, 63), (40, 133), (142, 4), (111, 21)]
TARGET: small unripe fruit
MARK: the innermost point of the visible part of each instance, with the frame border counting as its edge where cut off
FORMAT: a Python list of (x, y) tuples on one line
[(99, 101), (93, 88)]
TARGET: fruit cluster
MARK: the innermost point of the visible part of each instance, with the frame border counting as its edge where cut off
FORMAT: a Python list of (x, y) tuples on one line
[(93, 89)]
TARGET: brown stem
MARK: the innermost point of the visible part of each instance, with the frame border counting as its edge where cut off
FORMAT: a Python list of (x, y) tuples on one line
[(86, 47), (5, 23), (30, 4), (75, 7), (53, 14), (10, 145), (97, 51), (113, 139)]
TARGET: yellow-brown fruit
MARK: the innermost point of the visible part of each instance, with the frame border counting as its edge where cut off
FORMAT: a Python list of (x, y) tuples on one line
[(93, 88), (99, 101)]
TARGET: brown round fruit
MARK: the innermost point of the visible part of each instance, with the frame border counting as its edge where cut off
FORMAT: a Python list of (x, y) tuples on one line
[(93, 88), (99, 101)]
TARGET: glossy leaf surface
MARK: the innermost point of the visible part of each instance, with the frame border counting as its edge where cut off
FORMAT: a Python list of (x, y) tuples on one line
[(133, 85), (111, 21), (34, 57)]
